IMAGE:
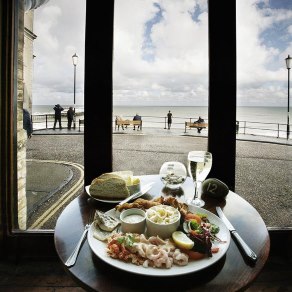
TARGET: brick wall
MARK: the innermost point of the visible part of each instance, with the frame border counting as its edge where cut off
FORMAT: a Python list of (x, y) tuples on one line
[(21, 133)]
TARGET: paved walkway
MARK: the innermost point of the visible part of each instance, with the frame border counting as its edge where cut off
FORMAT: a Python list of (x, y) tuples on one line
[(165, 132)]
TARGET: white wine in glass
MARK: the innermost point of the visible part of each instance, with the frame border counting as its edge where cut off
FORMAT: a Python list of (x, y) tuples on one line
[(199, 166)]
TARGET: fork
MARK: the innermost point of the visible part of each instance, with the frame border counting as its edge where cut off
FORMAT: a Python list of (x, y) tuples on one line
[(72, 258)]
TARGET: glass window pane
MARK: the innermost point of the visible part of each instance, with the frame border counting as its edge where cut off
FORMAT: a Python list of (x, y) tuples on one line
[(50, 163), (160, 66), (263, 43)]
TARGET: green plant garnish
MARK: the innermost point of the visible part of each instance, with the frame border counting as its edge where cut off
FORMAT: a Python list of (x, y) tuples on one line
[(126, 240), (214, 229), (194, 224)]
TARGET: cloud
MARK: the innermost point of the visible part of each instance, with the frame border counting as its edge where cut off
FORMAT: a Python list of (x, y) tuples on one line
[(179, 64), (259, 62), (161, 51), (60, 31)]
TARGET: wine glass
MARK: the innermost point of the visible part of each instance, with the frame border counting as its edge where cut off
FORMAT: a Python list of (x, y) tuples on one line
[(199, 166), (173, 174)]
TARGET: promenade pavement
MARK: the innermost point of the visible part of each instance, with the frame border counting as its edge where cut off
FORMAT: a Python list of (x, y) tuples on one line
[(165, 132), (62, 175)]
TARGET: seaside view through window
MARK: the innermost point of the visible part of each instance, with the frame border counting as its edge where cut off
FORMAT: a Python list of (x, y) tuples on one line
[(263, 43), (160, 67), (171, 74), (50, 159)]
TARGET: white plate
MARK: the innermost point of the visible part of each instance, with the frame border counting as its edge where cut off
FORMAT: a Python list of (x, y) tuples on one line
[(102, 200), (99, 248)]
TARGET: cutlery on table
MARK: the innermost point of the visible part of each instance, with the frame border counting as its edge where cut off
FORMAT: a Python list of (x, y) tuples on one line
[(246, 249), (72, 258), (136, 195), (144, 190)]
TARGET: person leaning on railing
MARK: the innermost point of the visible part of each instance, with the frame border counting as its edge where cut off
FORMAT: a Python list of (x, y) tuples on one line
[(70, 117), (58, 110)]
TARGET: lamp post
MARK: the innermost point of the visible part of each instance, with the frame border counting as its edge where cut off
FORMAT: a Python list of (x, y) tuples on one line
[(75, 62), (288, 65)]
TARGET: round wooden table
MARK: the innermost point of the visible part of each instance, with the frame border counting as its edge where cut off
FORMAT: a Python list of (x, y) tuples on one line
[(231, 273)]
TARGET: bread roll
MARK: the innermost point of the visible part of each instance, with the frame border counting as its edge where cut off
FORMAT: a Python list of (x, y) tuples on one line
[(109, 186)]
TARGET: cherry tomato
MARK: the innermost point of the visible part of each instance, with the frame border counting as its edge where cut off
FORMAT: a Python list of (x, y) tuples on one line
[(194, 255)]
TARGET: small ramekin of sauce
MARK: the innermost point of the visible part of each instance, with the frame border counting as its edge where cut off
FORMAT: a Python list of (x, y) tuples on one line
[(133, 221)]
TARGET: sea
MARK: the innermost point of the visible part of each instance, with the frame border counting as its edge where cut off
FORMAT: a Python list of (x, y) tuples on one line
[(267, 121)]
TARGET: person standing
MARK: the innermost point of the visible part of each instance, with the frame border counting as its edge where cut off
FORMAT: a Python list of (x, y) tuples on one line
[(70, 117), (27, 124), (137, 118), (58, 113), (169, 119)]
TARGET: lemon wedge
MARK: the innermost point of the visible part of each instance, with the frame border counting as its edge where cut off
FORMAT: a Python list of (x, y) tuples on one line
[(181, 240)]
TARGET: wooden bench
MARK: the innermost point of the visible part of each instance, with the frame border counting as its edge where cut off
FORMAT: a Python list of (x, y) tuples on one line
[(126, 123), (191, 125), (81, 122)]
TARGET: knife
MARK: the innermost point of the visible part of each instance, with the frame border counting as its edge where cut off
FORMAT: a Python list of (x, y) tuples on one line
[(246, 249), (144, 190)]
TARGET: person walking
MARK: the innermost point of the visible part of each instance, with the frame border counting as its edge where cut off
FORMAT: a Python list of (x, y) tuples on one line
[(27, 124), (70, 117), (169, 119), (58, 113)]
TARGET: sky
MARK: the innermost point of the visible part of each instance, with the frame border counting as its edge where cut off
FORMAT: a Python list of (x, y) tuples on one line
[(161, 52)]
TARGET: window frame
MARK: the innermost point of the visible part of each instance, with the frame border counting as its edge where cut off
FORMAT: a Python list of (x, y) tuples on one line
[(98, 85)]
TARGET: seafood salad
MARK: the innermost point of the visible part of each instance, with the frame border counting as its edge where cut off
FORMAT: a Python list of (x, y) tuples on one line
[(139, 250), (196, 238)]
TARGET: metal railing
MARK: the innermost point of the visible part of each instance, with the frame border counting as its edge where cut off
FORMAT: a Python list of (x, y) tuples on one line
[(278, 130), (41, 122)]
